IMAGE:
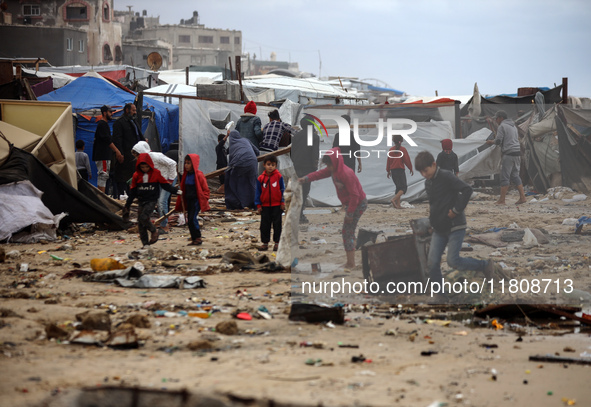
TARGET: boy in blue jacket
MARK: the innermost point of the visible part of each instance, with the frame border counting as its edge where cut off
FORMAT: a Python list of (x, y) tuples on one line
[(269, 202)]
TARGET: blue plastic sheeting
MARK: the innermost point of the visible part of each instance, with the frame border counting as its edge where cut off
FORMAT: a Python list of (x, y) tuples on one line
[(583, 220), (514, 95), (380, 89), (87, 92)]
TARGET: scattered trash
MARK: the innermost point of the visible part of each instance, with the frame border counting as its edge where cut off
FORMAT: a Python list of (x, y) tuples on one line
[(316, 313), (227, 328), (575, 198), (99, 321), (559, 359), (428, 353), (496, 324), (358, 359), (245, 316), (106, 264)]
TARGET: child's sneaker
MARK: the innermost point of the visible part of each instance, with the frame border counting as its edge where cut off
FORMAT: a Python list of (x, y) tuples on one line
[(275, 247), (264, 247)]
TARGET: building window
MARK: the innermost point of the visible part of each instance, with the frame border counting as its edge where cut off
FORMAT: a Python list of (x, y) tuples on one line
[(76, 12), (31, 10), (107, 56), (106, 12), (80, 45), (206, 39), (184, 39), (237, 40), (69, 44), (224, 40), (118, 54)]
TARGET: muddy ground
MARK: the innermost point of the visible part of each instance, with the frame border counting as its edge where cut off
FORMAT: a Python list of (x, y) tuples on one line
[(468, 361)]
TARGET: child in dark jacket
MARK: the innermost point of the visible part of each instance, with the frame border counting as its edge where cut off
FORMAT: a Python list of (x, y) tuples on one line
[(269, 202), (448, 197), (145, 185), (447, 159), (195, 196)]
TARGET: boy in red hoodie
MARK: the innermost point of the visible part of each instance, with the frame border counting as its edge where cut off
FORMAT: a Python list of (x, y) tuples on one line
[(195, 197), (349, 192), (269, 202), (145, 185)]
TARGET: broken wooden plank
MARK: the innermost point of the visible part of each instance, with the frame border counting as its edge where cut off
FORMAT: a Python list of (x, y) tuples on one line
[(559, 359)]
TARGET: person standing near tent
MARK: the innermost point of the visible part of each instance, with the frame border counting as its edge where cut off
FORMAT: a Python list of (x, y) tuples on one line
[(349, 152), (249, 125), (508, 138), (241, 175), (305, 158), (349, 192), (82, 161), (126, 134), (104, 148), (167, 168)]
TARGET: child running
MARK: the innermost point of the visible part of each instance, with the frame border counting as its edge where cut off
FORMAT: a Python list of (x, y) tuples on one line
[(195, 196), (269, 202), (349, 192), (397, 158), (145, 185)]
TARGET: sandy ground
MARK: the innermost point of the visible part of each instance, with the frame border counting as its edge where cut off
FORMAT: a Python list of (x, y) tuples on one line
[(267, 358)]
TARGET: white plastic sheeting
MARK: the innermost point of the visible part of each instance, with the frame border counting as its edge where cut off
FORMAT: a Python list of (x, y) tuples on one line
[(20, 207), (171, 89), (380, 189), (179, 76)]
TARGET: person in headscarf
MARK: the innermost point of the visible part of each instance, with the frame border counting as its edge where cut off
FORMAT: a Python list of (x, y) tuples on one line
[(241, 175), (349, 192)]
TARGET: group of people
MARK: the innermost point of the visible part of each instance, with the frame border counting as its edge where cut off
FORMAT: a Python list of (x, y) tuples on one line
[(245, 186)]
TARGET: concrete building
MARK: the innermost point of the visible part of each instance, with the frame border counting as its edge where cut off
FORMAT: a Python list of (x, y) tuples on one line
[(64, 32), (192, 43)]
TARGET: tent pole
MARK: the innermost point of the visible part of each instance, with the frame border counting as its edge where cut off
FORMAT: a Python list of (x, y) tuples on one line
[(565, 91)]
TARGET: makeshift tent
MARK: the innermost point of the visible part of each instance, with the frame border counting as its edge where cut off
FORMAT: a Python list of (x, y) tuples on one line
[(574, 140), (58, 195), (476, 159), (171, 89), (43, 129), (298, 90), (89, 92), (198, 134)]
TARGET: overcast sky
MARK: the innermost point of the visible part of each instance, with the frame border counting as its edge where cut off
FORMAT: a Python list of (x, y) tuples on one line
[(416, 46)]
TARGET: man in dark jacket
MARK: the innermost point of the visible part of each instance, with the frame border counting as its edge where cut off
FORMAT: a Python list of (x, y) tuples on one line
[(249, 125), (448, 197), (508, 139), (103, 148), (126, 133)]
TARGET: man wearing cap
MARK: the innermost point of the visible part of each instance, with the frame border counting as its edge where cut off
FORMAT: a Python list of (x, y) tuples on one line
[(508, 138), (103, 148), (249, 125)]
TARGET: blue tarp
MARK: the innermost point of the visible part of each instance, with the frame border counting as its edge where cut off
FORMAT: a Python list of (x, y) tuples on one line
[(380, 89), (87, 92)]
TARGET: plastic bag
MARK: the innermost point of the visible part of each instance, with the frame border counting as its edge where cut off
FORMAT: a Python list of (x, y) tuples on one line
[(106, 264)]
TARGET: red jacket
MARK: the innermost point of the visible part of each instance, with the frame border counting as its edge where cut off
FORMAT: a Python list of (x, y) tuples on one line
[(351, 193), (396, 162), (200, 184), (147, 191), (269, 190)]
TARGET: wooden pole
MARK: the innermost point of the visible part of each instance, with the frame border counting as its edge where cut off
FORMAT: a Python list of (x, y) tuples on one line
[(564, 91), (282, 151), (231, 72), (186, 75), (239, 74)]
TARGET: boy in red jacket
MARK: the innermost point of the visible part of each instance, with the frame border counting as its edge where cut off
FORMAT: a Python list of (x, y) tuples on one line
[(349, 192), (195, 197), (145, 185), (270, 203)]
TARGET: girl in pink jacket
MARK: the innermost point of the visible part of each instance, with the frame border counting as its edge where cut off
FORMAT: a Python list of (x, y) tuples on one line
[(349, 192)]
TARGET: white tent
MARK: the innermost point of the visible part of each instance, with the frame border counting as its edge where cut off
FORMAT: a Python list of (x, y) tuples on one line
[(179, 76), (171, 89)]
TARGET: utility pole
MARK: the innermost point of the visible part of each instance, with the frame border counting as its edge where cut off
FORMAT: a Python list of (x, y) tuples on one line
[(319, 65)]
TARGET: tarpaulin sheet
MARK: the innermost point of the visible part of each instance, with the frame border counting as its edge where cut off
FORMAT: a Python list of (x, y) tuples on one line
[(21, 207)]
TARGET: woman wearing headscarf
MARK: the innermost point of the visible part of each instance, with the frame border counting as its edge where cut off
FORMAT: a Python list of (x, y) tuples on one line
[(241, 175)]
